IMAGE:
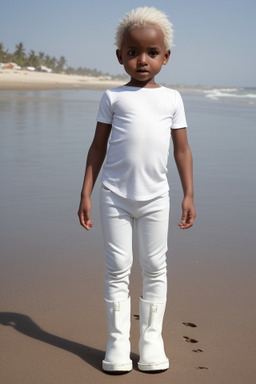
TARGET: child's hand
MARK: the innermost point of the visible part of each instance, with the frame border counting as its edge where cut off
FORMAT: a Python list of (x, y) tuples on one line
[(188, 213), (84, 213)]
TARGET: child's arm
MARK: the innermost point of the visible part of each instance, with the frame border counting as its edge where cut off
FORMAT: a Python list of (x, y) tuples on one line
[(95, 158), (184, 161)]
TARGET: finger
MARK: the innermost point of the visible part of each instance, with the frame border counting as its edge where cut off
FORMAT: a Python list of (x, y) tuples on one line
[(187, 220), (183, 218), (185, 226), (88, 225), (81, 217), (85, 221)]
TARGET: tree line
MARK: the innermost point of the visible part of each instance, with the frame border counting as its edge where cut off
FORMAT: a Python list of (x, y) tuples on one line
[(57, 65)]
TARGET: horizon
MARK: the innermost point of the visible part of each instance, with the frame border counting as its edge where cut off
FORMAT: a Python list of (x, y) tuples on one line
[(209, 49), (101, 74)]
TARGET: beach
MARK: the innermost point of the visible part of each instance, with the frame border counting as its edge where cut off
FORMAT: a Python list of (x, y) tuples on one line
[(17, 80), (53, 325)]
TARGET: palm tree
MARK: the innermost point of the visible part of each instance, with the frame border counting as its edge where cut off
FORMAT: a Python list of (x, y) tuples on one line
[(52, 63), (61, 63), (2, 52), (19, 54), (33, 59), (41, 57)]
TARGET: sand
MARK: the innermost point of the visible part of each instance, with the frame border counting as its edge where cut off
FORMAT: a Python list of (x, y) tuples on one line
[(53, 324), (21, 80), (52, 319)]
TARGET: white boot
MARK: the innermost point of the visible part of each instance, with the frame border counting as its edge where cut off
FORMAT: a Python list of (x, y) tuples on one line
[(151, 345), (117, 357)]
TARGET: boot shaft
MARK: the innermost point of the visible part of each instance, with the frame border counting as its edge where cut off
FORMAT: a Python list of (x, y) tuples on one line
[(117, 357), (151, 345)]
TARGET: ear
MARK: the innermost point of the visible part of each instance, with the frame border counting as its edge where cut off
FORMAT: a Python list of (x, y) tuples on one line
[(167, 56), (119, 56)]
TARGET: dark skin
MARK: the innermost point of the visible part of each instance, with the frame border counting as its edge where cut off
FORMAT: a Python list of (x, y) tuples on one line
[(95, 159), (184, 162), (142, 54)]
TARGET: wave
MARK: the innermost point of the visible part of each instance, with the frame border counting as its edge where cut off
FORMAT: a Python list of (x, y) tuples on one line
[(245, 95)]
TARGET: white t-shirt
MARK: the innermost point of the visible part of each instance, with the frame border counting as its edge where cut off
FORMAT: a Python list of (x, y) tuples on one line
[(141, 118)]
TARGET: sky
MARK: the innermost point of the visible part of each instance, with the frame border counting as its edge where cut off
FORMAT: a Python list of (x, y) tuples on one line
[(214, 41)]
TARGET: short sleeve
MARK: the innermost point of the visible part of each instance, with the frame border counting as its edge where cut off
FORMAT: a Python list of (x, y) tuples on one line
[(179, 117), (105, 114)]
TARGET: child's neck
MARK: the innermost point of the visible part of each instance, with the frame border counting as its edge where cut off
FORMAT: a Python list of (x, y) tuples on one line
[(142, 84)]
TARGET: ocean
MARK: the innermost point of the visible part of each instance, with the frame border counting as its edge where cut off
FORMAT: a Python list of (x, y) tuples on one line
[(239, 95), (45, 137)]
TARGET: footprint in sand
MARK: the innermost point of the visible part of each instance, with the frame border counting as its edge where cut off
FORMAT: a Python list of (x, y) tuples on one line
[(189, 340), (190, 325)]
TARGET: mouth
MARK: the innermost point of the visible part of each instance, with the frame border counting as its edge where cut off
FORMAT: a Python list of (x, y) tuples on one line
[(142, 71)]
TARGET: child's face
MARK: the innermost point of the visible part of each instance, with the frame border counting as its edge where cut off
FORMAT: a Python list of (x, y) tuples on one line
[(142, 54)]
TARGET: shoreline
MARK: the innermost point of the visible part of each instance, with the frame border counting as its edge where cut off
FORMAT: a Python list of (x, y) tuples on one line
[(24, 80)]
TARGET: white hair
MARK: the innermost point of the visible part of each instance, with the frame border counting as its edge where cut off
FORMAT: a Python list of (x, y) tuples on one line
[(143, 17)]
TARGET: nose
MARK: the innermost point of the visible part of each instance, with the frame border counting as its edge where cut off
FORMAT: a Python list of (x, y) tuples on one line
[(142, 59)]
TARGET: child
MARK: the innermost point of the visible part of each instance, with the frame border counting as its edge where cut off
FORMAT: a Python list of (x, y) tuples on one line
[(133, 128)]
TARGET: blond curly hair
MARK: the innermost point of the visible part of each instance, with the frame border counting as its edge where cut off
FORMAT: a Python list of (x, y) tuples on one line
[(143, 17)]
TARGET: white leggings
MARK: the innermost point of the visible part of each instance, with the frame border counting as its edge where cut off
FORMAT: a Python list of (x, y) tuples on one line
[(150, 219)]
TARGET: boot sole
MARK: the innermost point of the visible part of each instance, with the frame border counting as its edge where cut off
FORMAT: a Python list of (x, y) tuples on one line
[(112, 367), (153, 367)]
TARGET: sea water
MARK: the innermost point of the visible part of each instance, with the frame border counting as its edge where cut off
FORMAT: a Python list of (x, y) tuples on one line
[(45, 137), (239, 95)]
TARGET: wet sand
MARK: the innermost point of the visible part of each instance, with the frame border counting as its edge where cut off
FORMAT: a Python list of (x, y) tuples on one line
[(52, 314), (53, 327)]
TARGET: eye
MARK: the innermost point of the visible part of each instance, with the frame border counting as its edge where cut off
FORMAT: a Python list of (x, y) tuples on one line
[(153, 53), (131, 52)]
